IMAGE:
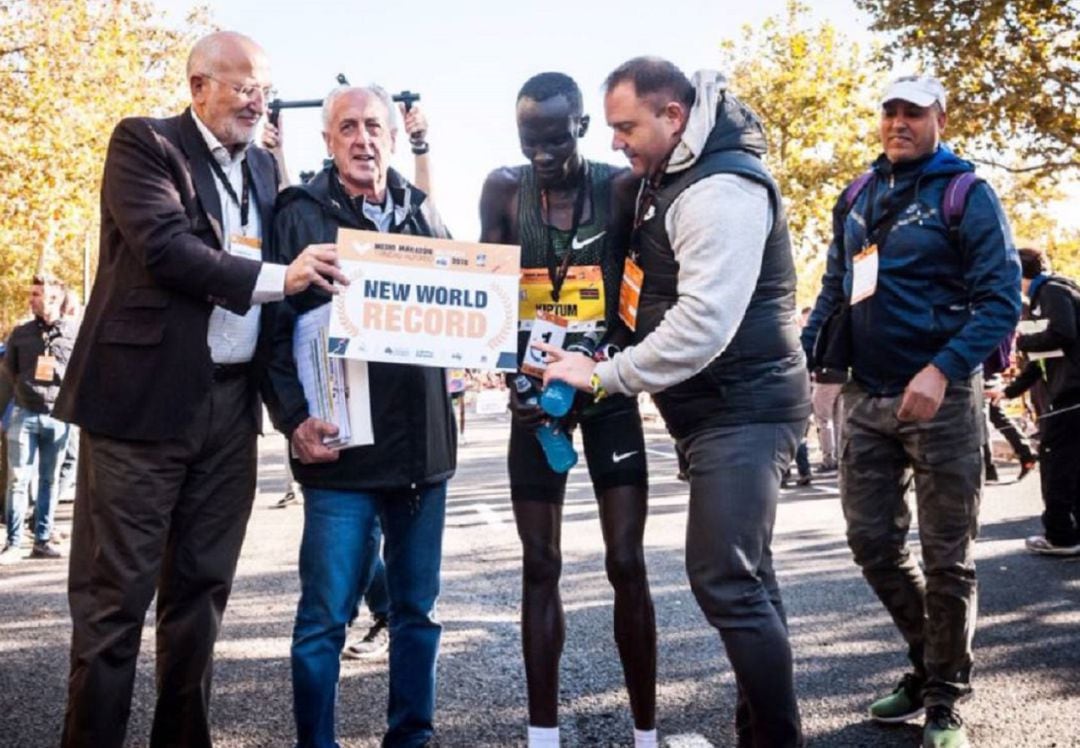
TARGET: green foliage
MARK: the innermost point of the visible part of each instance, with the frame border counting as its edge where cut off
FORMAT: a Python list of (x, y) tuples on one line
[(1012, 70), (69, 71)]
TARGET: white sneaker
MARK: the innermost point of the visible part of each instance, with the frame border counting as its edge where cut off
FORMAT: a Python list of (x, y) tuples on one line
[(374, 643), (1039, 544), (10, 555)]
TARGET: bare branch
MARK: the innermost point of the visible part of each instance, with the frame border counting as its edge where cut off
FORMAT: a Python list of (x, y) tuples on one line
[(1047, 166), (16, 50)]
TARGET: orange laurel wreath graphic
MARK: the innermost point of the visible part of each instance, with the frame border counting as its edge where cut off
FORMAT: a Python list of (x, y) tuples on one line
[(339, 307), (496, 341)]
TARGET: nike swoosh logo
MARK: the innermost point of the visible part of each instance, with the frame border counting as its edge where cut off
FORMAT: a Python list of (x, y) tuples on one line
[(576, 245), (617, 458), (649, 213)]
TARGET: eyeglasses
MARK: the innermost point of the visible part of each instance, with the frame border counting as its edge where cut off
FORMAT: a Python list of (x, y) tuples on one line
[(248, 92)]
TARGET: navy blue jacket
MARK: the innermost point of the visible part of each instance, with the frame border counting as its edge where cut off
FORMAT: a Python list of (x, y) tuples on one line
[(937, 301)]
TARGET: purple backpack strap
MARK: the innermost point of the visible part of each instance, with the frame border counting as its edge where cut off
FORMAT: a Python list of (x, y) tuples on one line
[(851, 194), (956, 195)]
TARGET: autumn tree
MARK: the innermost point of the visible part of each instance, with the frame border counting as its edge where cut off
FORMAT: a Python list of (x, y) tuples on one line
[(1012, 70), (1012, 67), (69, 70), (816, 91)]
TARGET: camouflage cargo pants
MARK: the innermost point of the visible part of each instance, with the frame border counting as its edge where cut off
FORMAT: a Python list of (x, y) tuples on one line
[(880, 457)]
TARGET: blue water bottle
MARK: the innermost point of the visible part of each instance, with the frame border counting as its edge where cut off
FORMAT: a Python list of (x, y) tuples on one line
[(558, 396), (558, 449)]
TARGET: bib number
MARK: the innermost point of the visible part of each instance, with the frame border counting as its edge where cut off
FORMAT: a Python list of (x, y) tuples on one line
[(547, 328)]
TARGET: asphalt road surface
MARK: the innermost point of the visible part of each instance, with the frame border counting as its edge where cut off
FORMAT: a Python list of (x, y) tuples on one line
[(1027, 644)]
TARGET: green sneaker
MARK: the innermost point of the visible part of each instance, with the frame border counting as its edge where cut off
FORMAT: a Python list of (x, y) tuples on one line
[(944, 728), (904, 703)]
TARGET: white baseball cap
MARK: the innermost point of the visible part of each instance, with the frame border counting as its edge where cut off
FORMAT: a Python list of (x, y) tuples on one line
[(921, 90)]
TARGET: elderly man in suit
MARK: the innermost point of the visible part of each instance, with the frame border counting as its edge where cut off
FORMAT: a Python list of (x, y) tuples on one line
[(164, 383)]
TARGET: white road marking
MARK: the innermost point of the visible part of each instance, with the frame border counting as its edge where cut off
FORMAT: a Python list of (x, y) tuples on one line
[(487, 513), (688, 740)]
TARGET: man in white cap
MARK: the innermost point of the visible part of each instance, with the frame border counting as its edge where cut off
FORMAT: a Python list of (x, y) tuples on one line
[(922, 281)]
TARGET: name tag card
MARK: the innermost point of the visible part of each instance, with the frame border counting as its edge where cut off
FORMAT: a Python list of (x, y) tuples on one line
[(630, 293), (45, 369), (865, 271)]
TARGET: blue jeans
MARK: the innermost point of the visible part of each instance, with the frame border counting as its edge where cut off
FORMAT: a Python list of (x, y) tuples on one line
[(373, 579), (34, 440), (333, 551)]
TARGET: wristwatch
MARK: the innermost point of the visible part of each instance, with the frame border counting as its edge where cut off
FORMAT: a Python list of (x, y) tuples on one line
[(598, 391)]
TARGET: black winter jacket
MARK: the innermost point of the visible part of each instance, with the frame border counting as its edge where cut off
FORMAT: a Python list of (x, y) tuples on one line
[(415, 439), (761, 376), (1056, 300)]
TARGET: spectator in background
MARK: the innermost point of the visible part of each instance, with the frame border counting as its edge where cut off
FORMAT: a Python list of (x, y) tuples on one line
[(1055, 301), (35, 361), (825, 389), (996, 364)]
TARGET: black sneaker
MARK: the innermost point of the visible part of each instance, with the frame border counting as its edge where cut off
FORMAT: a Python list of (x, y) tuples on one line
[(45, 550), (373, 644)]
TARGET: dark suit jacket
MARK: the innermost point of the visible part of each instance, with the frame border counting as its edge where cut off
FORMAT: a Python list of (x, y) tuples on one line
[(141, 363)]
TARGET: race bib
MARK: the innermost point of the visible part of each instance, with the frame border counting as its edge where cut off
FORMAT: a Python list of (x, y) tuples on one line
[(581, 298), (547, 328), (864, 274), (630, 293)]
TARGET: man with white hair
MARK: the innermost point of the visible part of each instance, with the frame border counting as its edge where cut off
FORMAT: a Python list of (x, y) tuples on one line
[(400, 480), (164, 383), (922, 282)]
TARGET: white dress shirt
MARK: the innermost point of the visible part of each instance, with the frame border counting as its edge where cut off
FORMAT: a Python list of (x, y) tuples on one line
[(232, 337)]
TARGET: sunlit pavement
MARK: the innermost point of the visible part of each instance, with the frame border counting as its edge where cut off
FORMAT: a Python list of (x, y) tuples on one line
[(1027, 644)]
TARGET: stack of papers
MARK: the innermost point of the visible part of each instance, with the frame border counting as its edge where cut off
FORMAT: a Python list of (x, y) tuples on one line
[(336, 389)]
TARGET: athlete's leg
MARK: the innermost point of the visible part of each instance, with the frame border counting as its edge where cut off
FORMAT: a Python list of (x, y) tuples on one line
[(622, 519), (543, 626)]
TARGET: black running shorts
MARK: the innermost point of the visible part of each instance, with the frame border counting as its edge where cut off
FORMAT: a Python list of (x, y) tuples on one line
[(614, 450)]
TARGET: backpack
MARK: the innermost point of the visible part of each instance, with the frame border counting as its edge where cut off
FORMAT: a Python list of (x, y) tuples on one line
[(953, 201)]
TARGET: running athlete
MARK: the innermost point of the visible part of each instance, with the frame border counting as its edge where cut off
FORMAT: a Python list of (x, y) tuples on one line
[(572, 218)]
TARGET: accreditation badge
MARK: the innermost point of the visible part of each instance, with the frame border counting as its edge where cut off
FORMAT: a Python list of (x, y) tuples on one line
[(547, 328), (630, 293), (248, 247), (45, 368), (581, 298), (864, 274)]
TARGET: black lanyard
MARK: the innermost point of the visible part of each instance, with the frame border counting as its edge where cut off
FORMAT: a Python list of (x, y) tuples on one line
[(878, 231), (646, 200), (245, 176), (556, 271), (49, 334)]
